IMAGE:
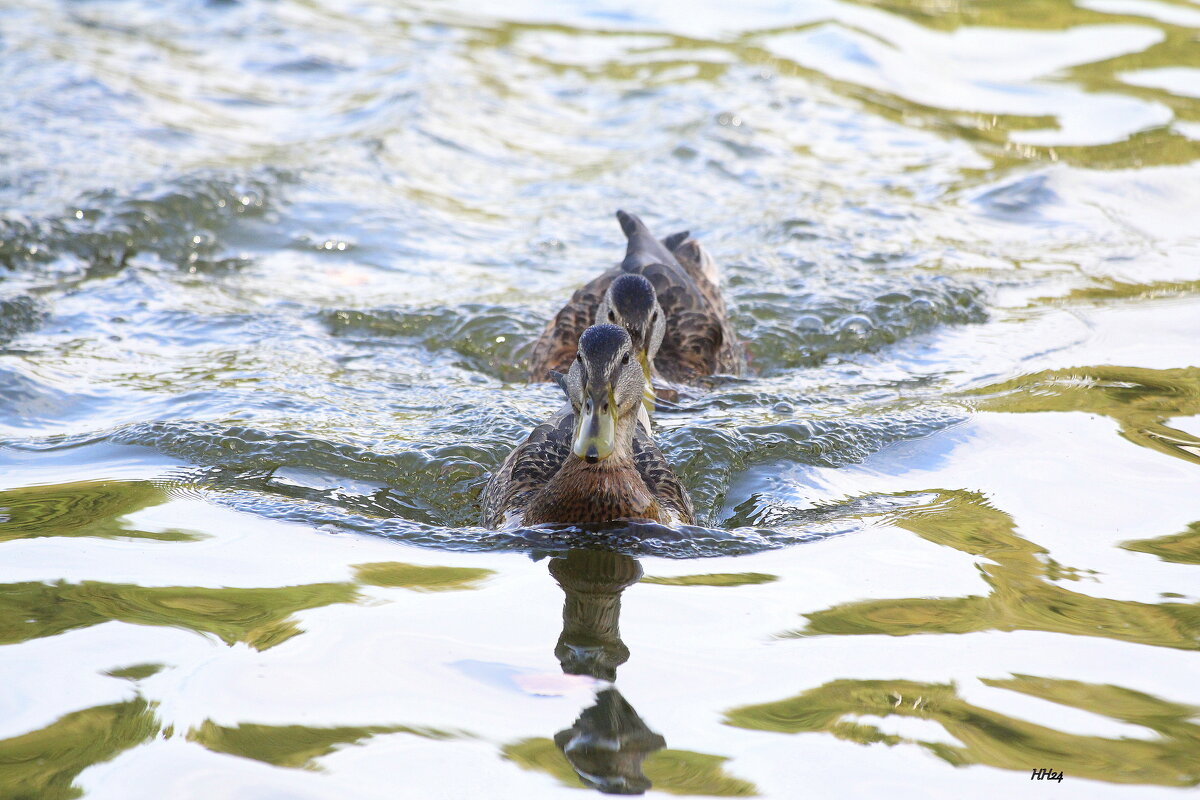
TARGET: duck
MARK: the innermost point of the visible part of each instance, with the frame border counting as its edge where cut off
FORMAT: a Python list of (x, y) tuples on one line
[(592, 461), (666, 294)]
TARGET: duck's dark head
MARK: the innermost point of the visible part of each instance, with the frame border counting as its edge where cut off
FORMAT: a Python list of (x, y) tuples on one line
[(632, 303), (605, 385)]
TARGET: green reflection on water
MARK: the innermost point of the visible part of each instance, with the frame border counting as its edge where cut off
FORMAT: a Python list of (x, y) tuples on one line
[(1182, 548), (680, 772), (990, 132), (85, 508), (296, 746), (43, 764), (714, 579), (258, 617), (1022, 596), (1176, 48), (420, 578), (135, 672), (1110, 289), (997, 740), (1139, 399), (1030, 14)]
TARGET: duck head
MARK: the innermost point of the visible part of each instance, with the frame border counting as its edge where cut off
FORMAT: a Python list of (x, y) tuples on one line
[(631, 302), (605, 385)]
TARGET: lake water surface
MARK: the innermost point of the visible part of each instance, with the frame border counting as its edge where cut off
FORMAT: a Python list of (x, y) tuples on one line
[(268, 274)]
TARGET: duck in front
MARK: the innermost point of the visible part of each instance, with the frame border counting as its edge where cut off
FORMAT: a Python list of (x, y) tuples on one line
[(592, 462)]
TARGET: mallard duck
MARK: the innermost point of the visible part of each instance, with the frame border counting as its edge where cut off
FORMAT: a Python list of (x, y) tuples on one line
[(592, 462), (675, 314)]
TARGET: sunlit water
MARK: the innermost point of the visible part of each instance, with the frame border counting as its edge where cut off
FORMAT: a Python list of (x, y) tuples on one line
[(269, 270)]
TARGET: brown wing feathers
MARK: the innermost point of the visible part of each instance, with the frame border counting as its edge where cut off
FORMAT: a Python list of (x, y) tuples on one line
[(527, 468), (659, 477), (555, 348)]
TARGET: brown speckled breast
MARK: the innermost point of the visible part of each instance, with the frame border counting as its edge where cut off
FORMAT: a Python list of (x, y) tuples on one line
[(593, 493)]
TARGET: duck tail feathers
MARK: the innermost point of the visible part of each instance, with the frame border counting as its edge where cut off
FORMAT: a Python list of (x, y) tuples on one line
[(631, 226), (643, 249), (673, 241)]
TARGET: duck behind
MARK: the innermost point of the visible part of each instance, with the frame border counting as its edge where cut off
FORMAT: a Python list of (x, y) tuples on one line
[(698, 339)]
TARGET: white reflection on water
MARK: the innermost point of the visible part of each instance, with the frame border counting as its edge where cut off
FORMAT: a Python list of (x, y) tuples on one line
[(311, 240)]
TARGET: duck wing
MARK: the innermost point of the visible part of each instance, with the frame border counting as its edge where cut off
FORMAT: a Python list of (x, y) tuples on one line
[(555, 348), (695, 331), (730, 357), (700, 266), (699, 340), (660, 479), (527, 469)]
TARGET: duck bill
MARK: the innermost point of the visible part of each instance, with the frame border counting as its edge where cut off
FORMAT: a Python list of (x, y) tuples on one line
[(595, 430), (648, 397)]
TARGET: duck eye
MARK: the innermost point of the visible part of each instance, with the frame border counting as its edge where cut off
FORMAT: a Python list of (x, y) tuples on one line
[(612, 317), (654, 317), (624, 359), (579, 358)]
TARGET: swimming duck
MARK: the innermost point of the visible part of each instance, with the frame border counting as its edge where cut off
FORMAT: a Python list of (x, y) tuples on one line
[(675, 314), (591, 462)]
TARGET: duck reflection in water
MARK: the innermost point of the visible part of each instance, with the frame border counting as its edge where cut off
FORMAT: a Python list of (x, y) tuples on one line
[(608, 742)]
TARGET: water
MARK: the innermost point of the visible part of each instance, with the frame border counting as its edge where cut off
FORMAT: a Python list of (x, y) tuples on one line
[(267, 275)]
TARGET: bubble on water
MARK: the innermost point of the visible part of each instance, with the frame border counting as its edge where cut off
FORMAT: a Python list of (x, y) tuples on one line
[(482, 336), (857, 325), (808, 322)]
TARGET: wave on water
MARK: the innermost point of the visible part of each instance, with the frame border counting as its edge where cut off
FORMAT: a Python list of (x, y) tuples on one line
[(802, 321), (19, 314), (633, 539), (426, 494), (178, 220), (491, 339)]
